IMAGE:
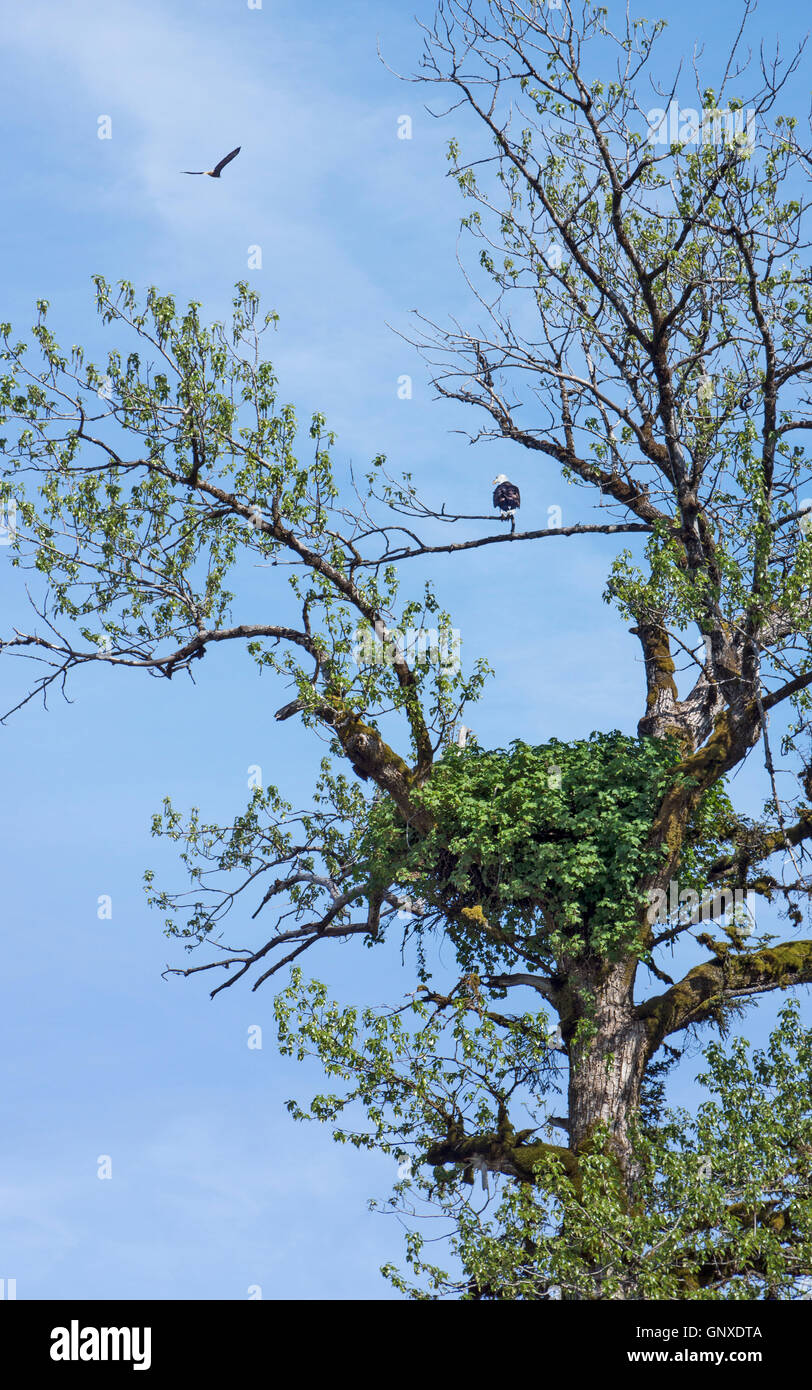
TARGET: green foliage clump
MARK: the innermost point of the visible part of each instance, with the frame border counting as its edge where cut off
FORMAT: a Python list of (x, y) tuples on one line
[(548, 842)]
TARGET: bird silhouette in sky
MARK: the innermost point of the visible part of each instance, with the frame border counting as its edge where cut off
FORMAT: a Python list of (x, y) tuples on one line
[(218, 168)]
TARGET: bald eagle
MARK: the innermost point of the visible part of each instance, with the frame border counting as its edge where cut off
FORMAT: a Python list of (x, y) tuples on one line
[(506, 497), (218, 168)]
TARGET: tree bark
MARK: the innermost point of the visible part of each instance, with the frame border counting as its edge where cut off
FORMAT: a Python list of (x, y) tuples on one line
[(608, 1047)]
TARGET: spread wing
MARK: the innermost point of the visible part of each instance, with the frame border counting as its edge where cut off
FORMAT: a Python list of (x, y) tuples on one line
[(223, 162)]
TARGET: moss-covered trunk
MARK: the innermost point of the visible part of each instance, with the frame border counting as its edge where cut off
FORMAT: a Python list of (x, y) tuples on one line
[(607, 1048)]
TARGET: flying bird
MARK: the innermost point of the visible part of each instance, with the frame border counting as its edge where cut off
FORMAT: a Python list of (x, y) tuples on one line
[(507, 498), (218, 168)]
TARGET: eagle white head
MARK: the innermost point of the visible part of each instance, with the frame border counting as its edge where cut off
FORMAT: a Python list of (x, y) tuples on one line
[(501, 478)]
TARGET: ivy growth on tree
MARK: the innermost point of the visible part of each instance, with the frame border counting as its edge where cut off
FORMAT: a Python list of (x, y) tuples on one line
[(539, 852)]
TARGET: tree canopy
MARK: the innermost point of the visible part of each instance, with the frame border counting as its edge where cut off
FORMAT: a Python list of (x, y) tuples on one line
[(644, 328)]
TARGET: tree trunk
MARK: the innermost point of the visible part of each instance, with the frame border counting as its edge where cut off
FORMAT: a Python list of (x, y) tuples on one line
[(608, 1049)]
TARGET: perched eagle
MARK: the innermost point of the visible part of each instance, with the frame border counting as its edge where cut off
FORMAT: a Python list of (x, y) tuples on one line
[(218, 168), (506, 497)]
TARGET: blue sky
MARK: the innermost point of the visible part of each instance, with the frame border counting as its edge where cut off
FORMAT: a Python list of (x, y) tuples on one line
[(214, 1187)]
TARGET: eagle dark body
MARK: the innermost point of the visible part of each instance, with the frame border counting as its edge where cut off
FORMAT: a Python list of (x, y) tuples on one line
[(506, 497), (218, 168)]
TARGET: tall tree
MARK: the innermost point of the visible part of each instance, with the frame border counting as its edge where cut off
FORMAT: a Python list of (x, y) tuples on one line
[(646, 331)]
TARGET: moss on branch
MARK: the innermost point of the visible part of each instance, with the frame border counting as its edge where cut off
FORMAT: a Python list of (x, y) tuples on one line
[(703, 992)]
